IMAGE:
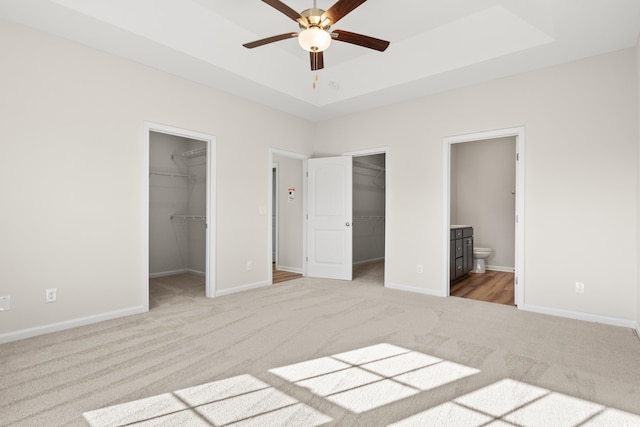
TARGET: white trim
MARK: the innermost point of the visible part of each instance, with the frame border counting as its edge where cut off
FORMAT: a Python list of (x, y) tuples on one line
[(69, 324), (405, 288), (613, 321), (196, 272), (638, 330), (242, 288), (298, 156), (210, 256), (274, 198), (289, 269), (499, 268), (519, 133), (168, 273)]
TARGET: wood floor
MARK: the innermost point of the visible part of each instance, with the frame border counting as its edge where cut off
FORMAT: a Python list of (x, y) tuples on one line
[(282, 276), (492, 286)]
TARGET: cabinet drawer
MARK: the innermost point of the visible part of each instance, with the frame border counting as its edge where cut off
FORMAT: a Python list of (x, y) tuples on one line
[(456, 233), (459, 267), (467, 232), (459, 247)]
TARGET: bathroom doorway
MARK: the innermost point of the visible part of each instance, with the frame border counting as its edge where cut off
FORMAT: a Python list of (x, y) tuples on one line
[(484, 191)]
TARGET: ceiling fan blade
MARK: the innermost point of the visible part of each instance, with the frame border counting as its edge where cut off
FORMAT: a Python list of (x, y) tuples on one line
[(360, 40), (317, 60), (340, 9), (276, 4), (268, 40)]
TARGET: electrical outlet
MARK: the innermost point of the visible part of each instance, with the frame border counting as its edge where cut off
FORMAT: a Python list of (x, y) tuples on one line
[(579, 288), (51, 295), (420, 269), (249, 265), (5, 303)]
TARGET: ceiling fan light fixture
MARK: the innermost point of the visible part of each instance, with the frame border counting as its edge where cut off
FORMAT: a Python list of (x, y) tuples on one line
[(314, 39)]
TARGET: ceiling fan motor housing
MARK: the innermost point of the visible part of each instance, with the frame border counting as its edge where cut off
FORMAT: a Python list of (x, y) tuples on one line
[(314, 18)]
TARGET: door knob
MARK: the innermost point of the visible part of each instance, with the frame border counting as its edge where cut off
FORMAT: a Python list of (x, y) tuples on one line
[(347, 223)]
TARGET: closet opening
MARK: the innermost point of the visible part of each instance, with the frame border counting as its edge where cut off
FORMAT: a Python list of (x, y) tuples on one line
[(369, 206), (180, 225)]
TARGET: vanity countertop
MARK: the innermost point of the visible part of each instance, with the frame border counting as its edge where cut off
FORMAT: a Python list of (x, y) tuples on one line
[(453, 227)]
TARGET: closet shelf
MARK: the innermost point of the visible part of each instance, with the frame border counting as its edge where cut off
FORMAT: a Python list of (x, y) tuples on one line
[(196, 152), (368, 217), (173, 174), (368, 166), (189, 217)]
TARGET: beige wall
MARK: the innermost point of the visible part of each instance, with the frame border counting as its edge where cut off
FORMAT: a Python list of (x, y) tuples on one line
[(485, 179), (72, 136), (581, 123)]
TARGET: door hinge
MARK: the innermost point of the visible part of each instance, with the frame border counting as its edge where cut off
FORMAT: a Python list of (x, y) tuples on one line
[(307, 259), (517, 157), (516, 280)]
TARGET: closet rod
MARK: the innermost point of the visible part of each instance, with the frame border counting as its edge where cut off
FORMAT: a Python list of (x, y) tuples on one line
[(177, 175), (368, 166), (368, 217), (192, 153), (189, 217)]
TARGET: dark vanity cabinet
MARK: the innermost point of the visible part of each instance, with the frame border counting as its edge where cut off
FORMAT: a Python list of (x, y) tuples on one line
[(461, 253)]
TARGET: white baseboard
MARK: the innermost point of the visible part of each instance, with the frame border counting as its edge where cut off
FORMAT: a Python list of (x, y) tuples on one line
[(167, 273), (242, 288), (174, 272), (499, 268), (638, 330), (196, 272), (69, 324), (289, 269), (596, 318), (430, 292)]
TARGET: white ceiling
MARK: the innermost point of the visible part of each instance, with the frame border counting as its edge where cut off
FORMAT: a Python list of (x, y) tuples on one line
[(436, 45)]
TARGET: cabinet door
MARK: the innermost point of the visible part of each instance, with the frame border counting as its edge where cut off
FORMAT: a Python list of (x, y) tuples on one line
[(452, 259), (459, 248), (467, 256)]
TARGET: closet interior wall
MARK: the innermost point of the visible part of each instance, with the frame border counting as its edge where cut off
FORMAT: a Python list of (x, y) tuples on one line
[(368, 208), (177, 205)]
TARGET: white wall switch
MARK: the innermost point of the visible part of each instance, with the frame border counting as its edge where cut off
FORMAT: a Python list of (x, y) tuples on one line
[(249, 265), (579, 288), (420, 269), (51, 295), (5, 303)]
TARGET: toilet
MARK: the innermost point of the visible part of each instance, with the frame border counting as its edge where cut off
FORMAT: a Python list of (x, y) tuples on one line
[(479, 255)]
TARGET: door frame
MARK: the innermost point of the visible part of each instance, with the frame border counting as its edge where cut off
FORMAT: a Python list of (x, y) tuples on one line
[(519, 133), (274, 199), (368, 152), (303, 158), (210, 226)]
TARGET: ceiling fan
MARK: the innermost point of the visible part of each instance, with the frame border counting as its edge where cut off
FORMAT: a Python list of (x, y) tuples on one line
[(314, 35)]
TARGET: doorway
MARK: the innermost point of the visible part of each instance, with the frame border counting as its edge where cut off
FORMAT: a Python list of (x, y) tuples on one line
[(488, 195), (179, 205), (287, 207), (333, 208)]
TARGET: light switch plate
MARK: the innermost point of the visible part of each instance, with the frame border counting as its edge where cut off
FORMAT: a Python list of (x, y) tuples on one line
[(5, 303)]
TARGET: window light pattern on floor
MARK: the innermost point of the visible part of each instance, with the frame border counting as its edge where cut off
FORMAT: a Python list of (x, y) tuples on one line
[(242, 399), (513, 403), (359, 381), (370, 377)]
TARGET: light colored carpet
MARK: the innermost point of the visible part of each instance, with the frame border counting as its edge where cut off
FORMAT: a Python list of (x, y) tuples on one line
[(323, 352)]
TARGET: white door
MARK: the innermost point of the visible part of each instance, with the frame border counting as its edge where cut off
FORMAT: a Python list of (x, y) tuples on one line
[(329, 225)]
